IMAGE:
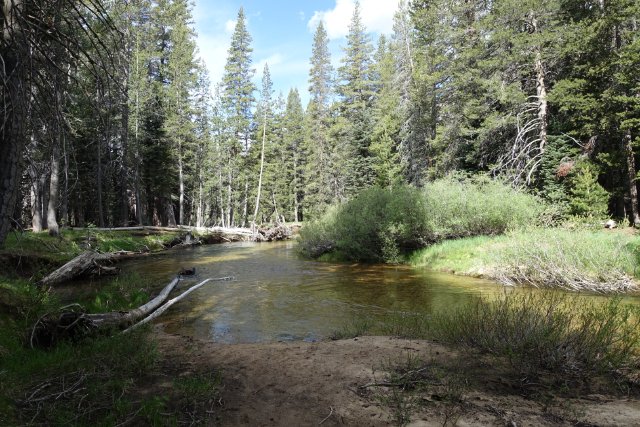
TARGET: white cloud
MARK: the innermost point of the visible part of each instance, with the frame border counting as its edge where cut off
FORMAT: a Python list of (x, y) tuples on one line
[(274, 61), (377, 16), (230, 26), (213, 50)]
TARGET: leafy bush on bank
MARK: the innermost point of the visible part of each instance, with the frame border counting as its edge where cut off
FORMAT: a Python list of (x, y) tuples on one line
[(474, 206), (382, 225)]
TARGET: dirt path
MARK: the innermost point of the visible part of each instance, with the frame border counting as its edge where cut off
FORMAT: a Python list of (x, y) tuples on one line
[(304, 384)]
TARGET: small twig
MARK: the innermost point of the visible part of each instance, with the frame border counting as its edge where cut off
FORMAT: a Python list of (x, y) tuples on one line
[(328, 416)]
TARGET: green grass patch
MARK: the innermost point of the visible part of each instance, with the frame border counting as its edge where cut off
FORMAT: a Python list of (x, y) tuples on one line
[(580, 260), (72, 384)]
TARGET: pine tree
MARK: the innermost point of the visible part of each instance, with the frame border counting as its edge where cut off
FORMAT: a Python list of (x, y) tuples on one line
[(353, 133), (180, 84), (598, 92), (295, 159), (319, 183), (385, 138), (264, 113), (238, 100)]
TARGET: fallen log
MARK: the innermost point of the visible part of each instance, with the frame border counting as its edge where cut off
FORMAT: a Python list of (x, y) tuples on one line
[(72, 322), (172, 301), (88, 262)]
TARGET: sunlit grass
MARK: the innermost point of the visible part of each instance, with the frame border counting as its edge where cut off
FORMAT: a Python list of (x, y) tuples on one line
[(584, 260)]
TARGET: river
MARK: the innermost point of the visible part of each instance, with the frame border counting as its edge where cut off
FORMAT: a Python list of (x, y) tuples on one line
[(278, 296)]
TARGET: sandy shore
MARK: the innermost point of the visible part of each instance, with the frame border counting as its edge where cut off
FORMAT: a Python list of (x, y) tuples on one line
[(300, 384)]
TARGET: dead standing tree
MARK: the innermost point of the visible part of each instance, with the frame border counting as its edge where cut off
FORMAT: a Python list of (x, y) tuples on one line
[(40, 41)]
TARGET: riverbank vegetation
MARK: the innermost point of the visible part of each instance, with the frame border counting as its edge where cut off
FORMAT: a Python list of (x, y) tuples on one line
[(99, 379), (385, 224), (480, 227), (548, 346), (578, 260)]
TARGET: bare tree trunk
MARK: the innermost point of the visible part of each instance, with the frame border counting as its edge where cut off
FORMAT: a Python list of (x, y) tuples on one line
[(245, 202), (99, 185), (36, 206), (64, 206), (541, 93), (37, 187), (171, 216), (264, 137), (229, 207), (181, 185), (200, 211), (296, 200), (13, 98), (631, 176), (124, 167), (52, 223)]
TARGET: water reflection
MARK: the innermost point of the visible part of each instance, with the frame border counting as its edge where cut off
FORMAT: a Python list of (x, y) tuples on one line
[(278, 296)]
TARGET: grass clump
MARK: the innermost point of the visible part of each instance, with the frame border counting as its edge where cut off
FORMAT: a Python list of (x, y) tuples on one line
[(577, 260), (472, 206), (573, 260), (568, 336)]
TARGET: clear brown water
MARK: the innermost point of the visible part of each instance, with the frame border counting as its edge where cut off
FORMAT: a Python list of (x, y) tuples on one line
[(277, 296)]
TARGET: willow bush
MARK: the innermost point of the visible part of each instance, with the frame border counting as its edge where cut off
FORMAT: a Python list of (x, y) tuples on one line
[(383, 224)]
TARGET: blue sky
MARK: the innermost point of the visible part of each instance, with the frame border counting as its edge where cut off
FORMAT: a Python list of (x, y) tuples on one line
[(282, 32)]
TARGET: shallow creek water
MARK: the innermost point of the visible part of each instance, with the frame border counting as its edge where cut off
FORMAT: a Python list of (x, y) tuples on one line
[(277, 296)]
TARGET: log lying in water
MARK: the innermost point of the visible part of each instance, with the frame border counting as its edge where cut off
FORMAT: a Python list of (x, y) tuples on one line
[(172, 301), (68, 323)]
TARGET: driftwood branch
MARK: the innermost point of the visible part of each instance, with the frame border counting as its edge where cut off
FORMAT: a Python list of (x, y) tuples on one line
[(72, 322), (172, 301)]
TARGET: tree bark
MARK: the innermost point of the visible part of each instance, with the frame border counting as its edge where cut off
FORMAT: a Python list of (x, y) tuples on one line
[(631, 177), (171, 216), (12, 131), (52, 223), (36, 198), (99, 185), (124, 165), (181, 185), (264, 137)]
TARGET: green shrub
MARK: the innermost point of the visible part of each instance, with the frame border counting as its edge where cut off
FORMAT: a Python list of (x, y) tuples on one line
[(461, 207), (377, 225), (384, 224), (588, 198)]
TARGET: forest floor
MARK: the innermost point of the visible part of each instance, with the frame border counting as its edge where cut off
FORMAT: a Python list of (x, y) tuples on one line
[(347, 382)]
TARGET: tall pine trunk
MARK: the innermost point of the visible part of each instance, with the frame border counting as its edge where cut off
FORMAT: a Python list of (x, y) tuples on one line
[(181, 185), (52, 223), (631, 178), (264, 137), (14, 100)]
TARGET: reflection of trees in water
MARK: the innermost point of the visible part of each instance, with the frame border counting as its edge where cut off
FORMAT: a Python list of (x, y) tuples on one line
[(276, 294)]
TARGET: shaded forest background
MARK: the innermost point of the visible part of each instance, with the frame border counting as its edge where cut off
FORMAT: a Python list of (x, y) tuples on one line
[(111, 120)]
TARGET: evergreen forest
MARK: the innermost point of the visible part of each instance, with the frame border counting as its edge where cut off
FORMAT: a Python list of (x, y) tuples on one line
[(110, 118)]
